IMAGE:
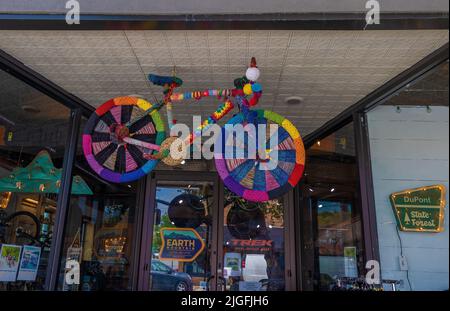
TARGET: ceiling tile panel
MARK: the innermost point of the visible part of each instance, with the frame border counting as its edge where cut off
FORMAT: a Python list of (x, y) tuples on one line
[(330, 70)]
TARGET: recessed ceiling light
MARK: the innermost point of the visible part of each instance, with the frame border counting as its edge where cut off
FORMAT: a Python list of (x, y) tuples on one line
[(293, 100), (30, 109)]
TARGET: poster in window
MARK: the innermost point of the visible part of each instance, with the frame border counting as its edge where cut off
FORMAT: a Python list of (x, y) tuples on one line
[(29, 263), (351, 269), (233, 264), (9, 262), (334, 221), (182, 244)]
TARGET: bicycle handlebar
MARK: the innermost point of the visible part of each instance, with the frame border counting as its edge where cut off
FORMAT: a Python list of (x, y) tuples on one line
[(219, 93)]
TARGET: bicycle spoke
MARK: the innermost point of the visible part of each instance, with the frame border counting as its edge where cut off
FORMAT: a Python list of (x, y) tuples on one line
[(120, 164), (139, 123), (103, 155), (126, 114), (137, 154), (141, 143)]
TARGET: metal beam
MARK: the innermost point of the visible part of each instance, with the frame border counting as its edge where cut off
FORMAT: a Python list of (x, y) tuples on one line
[(265, 21), (63, 201), (368, 210), (382, 94)]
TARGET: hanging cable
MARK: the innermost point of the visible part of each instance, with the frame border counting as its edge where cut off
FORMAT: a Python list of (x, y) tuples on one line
[(401, 254)]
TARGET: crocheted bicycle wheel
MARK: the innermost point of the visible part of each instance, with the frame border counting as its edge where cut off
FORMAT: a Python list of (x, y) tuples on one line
[(253, 178), (107, 134)]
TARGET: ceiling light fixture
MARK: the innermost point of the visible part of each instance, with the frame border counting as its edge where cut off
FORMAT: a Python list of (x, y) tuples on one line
[(294, 100)]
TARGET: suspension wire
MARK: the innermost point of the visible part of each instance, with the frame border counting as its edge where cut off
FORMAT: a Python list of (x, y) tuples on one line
[(140, 68), (401, 254)]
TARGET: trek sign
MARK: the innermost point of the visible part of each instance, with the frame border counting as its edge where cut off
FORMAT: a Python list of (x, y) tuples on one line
[(421, 209)]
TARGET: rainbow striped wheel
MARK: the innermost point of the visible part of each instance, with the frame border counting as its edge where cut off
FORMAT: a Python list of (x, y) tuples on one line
[(118, 139), (253, 178)]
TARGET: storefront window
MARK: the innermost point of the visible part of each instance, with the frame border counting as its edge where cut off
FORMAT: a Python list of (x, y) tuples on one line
[(33, 131), (99, 233), (331, 231)]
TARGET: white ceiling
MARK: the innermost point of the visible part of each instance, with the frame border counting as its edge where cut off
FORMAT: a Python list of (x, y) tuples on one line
[(331, 70)]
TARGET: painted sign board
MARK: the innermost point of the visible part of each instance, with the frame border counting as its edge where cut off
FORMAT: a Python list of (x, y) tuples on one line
[(181, 244), (420, 209)]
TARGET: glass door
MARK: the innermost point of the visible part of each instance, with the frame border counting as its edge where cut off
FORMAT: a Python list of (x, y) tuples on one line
[(254, 240), (181, 252), (198, 236)]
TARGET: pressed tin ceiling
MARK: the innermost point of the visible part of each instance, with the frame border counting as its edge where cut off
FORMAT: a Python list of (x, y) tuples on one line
[(329, 70)]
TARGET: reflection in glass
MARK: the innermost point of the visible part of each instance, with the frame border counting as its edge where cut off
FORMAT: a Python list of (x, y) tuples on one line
[(253, 245), (33, 131), (331, 219), (99, 233), (182, 235)]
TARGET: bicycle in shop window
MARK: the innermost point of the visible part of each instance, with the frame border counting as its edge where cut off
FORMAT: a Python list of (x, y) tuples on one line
[(125, 138), (25, 228)]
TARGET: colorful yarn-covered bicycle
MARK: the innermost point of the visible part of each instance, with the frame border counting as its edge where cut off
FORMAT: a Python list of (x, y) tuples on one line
[(125, 138)]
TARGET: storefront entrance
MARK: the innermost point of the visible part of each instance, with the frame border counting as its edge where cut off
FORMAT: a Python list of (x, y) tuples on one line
[(201, 237)]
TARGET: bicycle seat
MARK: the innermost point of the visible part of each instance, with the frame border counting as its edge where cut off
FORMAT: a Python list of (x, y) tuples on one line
[(163, 80)]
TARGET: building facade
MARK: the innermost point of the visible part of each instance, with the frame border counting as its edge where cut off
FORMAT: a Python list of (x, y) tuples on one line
[(370, 102)]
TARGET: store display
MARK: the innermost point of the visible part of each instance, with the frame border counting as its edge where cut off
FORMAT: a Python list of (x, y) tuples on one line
[(23, 225), (354, 284), (186, 211), (125, 138), (40, 176), (246, 224)]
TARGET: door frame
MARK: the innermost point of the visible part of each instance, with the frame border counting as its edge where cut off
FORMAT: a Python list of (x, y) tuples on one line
[(216, 249), (289, 238), (148, 220)]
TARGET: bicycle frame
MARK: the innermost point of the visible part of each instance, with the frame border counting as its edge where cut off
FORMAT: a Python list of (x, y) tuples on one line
[(217, 115)]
